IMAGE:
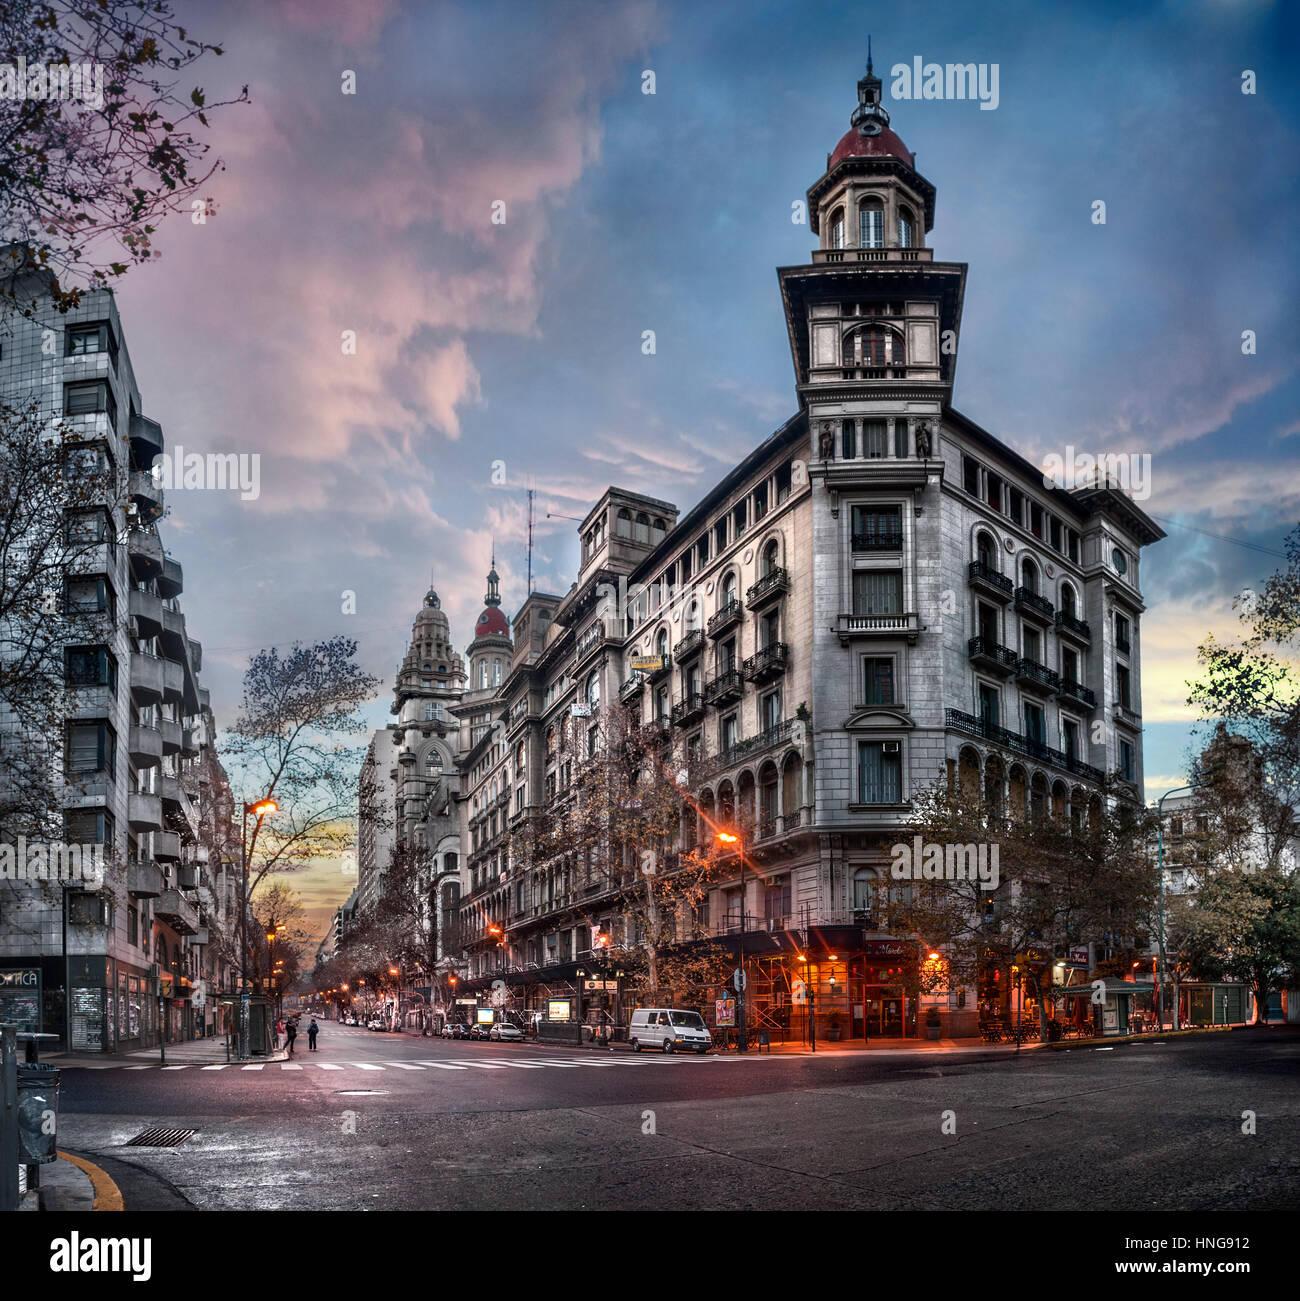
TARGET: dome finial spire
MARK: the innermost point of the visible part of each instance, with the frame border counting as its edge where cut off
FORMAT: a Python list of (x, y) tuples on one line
[(868, 53)]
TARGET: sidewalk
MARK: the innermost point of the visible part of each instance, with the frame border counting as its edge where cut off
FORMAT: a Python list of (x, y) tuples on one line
[(66, 1187), (197, 1052)]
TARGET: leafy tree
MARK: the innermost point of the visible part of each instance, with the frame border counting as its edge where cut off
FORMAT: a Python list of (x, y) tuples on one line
[(85, 181)]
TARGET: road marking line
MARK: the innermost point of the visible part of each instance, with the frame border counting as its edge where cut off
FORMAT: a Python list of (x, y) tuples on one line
[(526, 1066), (138, 1068), (405, 1066), (257, 1067), (325, 1066), (365, 1066), (482, 1066), (290, 1066), (222, 1067), (173, 1068), (443, 1066)]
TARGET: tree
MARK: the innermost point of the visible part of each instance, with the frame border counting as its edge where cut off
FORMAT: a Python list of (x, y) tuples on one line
[(87, 173), (58, 513), (280, 913), (287, 744)]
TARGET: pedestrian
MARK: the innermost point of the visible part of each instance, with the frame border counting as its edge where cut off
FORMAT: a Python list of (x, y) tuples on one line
[(312, 1031), (291, 1033), (279, 1031)]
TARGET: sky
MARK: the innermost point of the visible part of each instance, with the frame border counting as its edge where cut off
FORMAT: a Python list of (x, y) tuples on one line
[(496, 356)]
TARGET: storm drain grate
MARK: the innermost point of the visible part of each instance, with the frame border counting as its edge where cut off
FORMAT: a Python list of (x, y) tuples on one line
[(161, 1137)]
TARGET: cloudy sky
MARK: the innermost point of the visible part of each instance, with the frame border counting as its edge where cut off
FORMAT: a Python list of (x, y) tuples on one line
[(520, 342)]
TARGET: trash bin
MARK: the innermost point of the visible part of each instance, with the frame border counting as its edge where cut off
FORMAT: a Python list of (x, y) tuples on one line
[(38, 1111)]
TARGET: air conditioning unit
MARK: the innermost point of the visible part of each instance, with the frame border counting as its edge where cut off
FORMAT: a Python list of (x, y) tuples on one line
[(891, 747)]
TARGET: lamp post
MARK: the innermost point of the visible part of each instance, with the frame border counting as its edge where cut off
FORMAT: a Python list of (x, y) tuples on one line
[(259, 809), (730, 838)]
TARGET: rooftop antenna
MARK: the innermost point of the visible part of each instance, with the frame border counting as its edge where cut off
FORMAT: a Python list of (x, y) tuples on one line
[(868, 51), (531, 494)]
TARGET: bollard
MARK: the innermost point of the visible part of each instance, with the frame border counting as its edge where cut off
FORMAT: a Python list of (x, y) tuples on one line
[(8, 1118)]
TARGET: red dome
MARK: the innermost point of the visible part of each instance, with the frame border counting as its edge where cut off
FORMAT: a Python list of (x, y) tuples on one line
[(853, 144), (492, 623)]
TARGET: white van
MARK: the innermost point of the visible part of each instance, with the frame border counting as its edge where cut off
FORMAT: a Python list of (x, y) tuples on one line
[(669, 1028)]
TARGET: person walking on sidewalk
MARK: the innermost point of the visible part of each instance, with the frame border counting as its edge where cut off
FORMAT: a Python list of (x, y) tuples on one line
[(279, 1032), (312, 1031), (291, 1033)]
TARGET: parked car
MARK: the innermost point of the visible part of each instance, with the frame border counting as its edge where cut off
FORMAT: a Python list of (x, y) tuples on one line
[(480, 1032), (454, 1030), (504, 1032), (669, 1028)]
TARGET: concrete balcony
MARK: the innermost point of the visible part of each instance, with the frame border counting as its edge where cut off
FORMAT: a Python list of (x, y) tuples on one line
[(146, 554), (902, 255), (189, 743), (176, 911), (145, 746), (167, 847), (146, 439), (187, 876), (852, 626), (146, 609), (196, 655), (146, 678), (1130, 718), (173, 681), (147, 495), (175, 798), (144, 879), (173, 638), (172, 736), (143, 812), (171, 582), (199, 937)]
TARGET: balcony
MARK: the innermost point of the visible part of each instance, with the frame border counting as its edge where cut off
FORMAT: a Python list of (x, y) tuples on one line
[(658, 730), (767, 664), (689, 708), (987, 654), (1077, 693), (173, 681), (1130, 718), (957, 720), (723, 688), (146, 609), (888, 541), (173, 633), (187, 876), (145, 746), (171, 735), (143, 812), (146, 440), (144, 879), (146, 494), (189, 743), (728, 615), (820, 255), (689, 645), (590, 642), (146, 553), (1076, 629), (987, 580), (146, 678), (743, 749), (176, 910), (167, 847), (1037, 677), (1035, 607), (768, 589), (171, 582), (851, 626), (200, 936), (632, 688)]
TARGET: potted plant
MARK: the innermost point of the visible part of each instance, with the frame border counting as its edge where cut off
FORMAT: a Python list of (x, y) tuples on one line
[(933, 1026)]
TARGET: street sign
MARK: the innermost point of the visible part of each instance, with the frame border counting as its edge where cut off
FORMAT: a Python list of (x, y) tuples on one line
[(738, 981), (646, 663)]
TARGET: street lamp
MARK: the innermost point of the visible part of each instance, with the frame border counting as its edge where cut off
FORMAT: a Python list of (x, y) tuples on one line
[(810, 995), (259, 809), (730, 838)]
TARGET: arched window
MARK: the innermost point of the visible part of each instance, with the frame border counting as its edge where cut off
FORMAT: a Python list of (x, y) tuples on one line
[(432, 763), (1069, 602), (661, 642), (871, 224), (1029, 576), (693, 620), (642, 527), (483, 673), (496, 673), (771, 555), (905, 227), (728, 593), (623, 525), (592, 692), (986, 551), (873, 345), (837, 228), (658, 530)]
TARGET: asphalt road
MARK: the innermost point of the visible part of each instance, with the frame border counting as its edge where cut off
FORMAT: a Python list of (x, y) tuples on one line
[(382, 1122)]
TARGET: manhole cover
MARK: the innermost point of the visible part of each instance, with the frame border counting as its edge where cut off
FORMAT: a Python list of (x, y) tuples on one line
[(160, 1137)]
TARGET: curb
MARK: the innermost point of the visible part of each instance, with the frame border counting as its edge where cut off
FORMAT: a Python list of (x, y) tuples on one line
[(108, 1196)]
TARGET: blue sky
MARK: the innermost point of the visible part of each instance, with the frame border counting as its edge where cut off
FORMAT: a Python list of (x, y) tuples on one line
[(626, 212)]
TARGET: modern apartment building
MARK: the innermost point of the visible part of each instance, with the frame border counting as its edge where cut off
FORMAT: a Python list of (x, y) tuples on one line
[(134, 743), (881, 597)]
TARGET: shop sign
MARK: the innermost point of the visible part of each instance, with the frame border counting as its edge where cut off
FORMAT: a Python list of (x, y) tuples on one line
[(1076, 958), (600, 984), (647, 663), (20, 978), (889, 948), (724, 1013)]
